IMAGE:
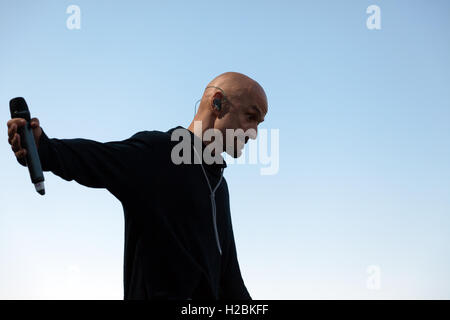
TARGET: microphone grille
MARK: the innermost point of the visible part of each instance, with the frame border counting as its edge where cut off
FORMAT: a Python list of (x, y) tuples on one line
[(18, 107)]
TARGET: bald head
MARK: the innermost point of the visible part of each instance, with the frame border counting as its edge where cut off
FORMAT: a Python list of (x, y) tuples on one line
[(236, 87), (243, 105)]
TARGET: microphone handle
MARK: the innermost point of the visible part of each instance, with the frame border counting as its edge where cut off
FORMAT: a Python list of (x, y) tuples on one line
[(32, 158)]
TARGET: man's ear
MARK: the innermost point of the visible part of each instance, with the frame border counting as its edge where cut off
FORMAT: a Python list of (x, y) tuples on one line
[(217, 103)]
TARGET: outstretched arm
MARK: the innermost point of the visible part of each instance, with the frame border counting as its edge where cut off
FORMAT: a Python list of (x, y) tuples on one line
[(112, 165)]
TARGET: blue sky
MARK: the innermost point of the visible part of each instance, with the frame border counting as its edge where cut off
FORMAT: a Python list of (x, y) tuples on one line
[(363, 117)]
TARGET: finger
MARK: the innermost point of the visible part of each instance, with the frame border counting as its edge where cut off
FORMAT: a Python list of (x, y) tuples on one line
[(13, 125), (21, 153), (12, 140), (16, 143), (17, 122), (12, 130), (34, 122), (11, 121)]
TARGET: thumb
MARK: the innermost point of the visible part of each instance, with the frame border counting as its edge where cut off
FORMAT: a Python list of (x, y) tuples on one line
[(34, 122)]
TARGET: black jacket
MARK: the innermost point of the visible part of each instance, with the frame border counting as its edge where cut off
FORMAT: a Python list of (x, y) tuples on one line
[(170, 244)]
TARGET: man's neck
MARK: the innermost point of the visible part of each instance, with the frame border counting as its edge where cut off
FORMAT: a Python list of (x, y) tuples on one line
[(199, 126), (198, 130)]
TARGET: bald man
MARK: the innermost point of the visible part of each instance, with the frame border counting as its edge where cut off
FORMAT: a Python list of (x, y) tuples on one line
[(179, 241)]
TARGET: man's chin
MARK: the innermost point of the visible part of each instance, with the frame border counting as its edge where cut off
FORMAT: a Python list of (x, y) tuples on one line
[(236, 149), (236, 153)]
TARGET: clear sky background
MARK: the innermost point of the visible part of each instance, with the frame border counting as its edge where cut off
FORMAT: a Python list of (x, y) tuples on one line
[(363, 117)]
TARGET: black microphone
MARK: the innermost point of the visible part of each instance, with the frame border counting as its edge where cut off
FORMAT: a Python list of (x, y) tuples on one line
[(19, 109)]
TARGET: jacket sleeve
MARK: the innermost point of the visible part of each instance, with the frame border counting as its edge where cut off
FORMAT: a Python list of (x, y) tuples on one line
[(112, 165), (232, 285)]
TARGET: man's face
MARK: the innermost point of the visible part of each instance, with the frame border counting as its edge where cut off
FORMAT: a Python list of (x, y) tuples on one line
[(245, 112)]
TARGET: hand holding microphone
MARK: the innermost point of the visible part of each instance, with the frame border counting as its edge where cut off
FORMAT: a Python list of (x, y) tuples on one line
[(23, 136)]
